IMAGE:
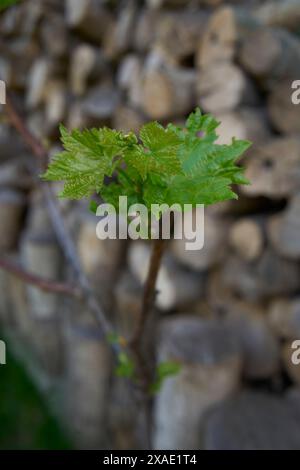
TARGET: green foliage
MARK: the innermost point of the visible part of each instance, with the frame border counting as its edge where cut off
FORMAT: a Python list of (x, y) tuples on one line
[(182, 165), (163, 371), (113, 338), (125, 367), (93, 206), (7, 3)]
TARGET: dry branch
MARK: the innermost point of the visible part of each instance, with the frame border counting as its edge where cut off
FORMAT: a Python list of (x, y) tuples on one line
[(46, 285), (64, 239)]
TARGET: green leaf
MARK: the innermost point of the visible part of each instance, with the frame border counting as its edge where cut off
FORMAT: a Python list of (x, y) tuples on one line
[(163, 371), (93, 206), (113, 191), (154, 191), (199, 190), (197, 122), (125, 367), (88, 156), (161, 148), (113, 338), (172, 165)]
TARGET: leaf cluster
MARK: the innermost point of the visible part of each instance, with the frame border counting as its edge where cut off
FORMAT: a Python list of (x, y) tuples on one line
[(172, 164)]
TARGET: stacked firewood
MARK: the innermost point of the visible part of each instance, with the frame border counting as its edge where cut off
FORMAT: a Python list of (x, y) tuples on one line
[(229, 312)]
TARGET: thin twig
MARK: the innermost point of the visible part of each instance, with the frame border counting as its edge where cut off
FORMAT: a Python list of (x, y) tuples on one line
[(63, 237), (19, 124), (46, 285)]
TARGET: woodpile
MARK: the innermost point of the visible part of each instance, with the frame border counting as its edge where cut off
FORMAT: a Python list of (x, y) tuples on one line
[(262, 415), (88, 368), (246, 238), (227, 313), (11, 209), (210, 367)]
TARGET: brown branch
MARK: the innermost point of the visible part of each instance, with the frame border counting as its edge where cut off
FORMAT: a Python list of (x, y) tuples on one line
[(16, 120), (46, 285), (144, 370), (149, 290), (136, 343)]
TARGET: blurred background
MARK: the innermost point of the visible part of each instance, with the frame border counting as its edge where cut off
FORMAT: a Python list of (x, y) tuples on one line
[(228, 313)]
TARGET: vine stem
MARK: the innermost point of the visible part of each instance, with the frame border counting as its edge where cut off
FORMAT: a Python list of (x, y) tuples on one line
[(149, 291), (144, 371)]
